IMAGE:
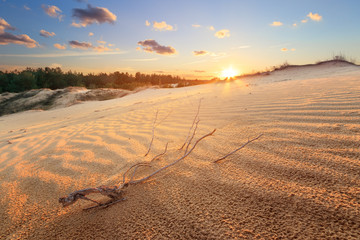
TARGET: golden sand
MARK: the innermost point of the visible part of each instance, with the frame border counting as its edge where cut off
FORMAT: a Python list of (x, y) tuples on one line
[(301, 180)]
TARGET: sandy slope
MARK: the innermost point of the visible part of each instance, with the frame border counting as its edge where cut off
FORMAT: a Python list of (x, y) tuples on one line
[(300, 180)]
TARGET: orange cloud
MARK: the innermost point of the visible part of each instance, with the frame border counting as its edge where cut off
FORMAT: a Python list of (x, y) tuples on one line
[(200, 53), (9, 38), (150, 45), (52, 11), (314, 16), (91, 34), (5, 25), (46, 33), (196, 25), (92, 15), (276, 24), (87, 45), (147, 23), (162, 26), (211, 28), (59, 46), (304, 20), (284, 49), (222, 33)]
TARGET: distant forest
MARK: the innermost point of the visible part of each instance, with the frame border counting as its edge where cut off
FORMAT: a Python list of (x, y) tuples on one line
[(55, 78)]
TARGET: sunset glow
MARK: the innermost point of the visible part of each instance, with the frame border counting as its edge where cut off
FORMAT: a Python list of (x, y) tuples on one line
[(155, 36), (229, 73)]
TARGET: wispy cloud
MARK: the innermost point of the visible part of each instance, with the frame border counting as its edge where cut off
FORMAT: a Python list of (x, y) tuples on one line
[(160, 26), (92, 15), (59, 46), (211, 28), (314, 16), (200, 53), (88, 46), (196, 25), (91, 34), (304, 20), (222, 33), (276, 24), (9, 38), (286, 49), (53, 11), (27, 8), (46, 33), (150, 45)]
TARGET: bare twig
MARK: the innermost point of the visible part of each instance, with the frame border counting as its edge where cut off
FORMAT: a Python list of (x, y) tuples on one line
[(192, 136), (171, 164), (153, 133), (249, 141), (192, 125)]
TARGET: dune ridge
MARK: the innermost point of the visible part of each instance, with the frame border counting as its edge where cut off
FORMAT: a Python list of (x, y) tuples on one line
[(299, 181)]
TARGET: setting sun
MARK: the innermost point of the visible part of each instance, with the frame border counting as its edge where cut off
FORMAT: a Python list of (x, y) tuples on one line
[(229, 73)]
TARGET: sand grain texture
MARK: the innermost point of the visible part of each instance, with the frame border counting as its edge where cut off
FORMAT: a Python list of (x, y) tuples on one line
[(299, 181)]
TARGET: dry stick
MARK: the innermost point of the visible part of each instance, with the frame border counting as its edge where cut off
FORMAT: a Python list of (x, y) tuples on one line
[(249, 141), (171, 164), (192, 137), (153, 133), (196, 117), (148, 164)]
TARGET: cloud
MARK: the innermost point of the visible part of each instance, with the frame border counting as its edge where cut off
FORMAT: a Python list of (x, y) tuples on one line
[(92, 15), (294, 25), (86, 46), (314, 16), (46, 33), (304, 20), (211, 28), (222, 33), (8, 38), (27, 8), (53, 11), (91, 34), (276, 24), (59, 46), (101, 42), (199, 71), (23, 39), (150, 45), (196, 25), (285, 49), (200, 53), (5, 25), (160, 26), (81, 45)]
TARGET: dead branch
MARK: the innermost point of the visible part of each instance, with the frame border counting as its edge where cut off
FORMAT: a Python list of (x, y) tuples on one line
[(249, 141), (171, 164), (153, 133), (192, 125)]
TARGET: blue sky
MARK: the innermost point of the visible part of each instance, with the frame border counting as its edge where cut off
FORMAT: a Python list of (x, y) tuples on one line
[(190, 38)]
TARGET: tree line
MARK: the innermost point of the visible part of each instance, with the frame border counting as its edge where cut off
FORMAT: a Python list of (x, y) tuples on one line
[(55, 78)]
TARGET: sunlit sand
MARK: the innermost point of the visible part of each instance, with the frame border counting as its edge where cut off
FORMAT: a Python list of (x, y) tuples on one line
[(299, 181)]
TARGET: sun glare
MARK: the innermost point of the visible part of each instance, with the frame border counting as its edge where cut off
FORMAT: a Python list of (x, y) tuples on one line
[(229, 73)]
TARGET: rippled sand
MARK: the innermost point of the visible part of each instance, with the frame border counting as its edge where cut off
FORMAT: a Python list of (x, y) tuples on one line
[(300, 180)]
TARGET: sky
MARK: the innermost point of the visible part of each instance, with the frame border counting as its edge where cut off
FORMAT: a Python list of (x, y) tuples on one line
[(189, 38)]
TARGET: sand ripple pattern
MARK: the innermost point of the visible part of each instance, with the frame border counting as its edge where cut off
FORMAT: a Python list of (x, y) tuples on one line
[(299, 181)]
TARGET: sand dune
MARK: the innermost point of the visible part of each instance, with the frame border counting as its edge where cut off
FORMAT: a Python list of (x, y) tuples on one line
[(299, 181)]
